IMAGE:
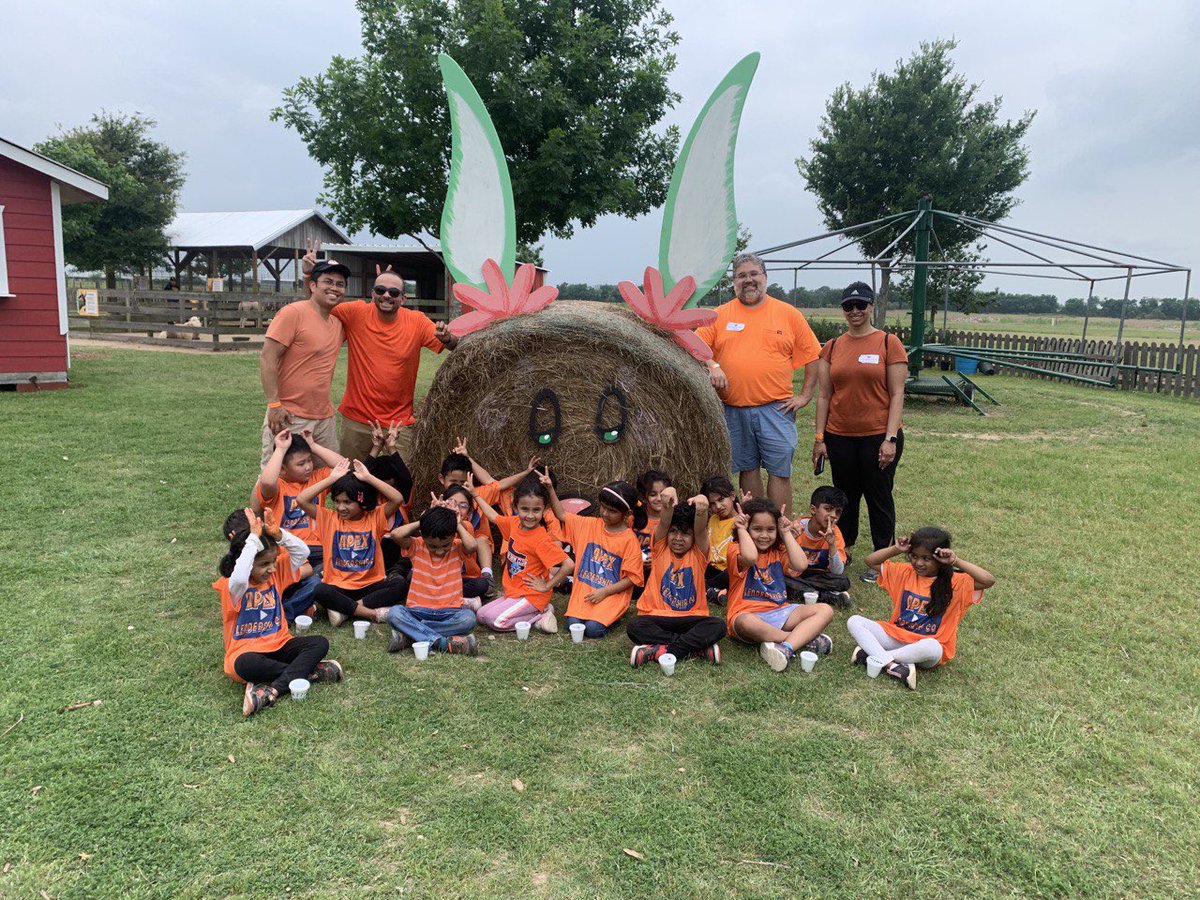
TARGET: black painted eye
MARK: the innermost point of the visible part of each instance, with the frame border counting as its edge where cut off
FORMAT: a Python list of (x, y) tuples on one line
[(611, 414), (542, 433)]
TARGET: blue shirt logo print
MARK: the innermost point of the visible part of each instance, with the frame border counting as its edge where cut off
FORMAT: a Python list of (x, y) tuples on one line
[(294, 515), (913, 616), (259, 614), (678, 588), (818, 559), (598, 567), (516, 561), (353, 551), (764, 584)]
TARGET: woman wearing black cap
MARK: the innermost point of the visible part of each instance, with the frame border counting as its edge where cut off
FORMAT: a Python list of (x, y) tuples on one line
[(860, 401)]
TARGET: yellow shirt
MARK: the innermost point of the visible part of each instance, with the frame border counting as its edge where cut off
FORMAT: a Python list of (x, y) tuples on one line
[(720, 534)]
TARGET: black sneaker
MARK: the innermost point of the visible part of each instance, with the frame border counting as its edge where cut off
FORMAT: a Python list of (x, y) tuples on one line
[(822, 645), (398, 641), (868, 576), (905, 673), (836, 599), (258, 697), (858, 656), (716, 596), (327, 670)]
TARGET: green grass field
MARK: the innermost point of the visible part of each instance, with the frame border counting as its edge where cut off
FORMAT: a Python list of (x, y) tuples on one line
[(1056, 756)]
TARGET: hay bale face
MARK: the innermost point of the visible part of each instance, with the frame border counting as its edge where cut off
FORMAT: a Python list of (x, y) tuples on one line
[(588, 387)]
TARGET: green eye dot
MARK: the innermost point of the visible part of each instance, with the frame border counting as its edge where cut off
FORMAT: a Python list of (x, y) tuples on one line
[(545, 438), (611, 437)]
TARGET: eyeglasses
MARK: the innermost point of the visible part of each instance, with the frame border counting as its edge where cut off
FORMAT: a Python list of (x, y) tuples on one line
[(329, 282), (379, 291), (747, 276), (860, 305)]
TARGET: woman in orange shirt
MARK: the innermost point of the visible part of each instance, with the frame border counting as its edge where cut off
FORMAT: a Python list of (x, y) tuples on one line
[(930, 593), (258, 648)]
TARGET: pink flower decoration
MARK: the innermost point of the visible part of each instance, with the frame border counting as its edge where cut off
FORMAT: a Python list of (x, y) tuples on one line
[(500, 301), (668, 312)]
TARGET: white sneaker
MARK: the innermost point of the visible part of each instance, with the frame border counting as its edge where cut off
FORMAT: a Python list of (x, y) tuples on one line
[(472, 603), (547, 623), (773, 655), (336, 618)]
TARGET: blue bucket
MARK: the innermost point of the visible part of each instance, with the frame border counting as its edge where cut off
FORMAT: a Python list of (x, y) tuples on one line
[(966, 364)]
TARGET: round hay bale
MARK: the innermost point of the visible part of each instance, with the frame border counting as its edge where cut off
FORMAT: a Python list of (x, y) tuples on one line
[(485, 391)]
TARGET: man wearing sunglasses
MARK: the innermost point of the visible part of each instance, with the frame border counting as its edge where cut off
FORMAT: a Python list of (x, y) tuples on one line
[(758, 343)]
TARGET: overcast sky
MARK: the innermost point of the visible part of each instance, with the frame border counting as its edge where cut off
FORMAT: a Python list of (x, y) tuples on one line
[(1115, 147)]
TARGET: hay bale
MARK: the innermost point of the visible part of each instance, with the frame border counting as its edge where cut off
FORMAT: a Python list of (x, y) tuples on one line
[(485, 389)]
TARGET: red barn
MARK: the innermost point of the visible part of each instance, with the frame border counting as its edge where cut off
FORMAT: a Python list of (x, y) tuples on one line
[(33, 284)]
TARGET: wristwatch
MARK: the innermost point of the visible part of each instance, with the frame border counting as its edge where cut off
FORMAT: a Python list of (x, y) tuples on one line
[(891, 439)]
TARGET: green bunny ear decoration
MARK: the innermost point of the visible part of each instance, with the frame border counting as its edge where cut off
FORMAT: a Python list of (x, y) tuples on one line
[(699, 231), (478, 220)]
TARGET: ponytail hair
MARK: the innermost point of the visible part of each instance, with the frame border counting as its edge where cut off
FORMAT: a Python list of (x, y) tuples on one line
[(621, 496), (237, 531), (646, 481), (365, 495), (932, 539)]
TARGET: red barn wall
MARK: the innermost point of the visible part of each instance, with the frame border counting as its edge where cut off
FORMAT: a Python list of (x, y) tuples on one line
[(29, 336)]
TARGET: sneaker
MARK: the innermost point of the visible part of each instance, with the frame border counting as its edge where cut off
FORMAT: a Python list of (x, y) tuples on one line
[(258, 697), (822, 644), (327, 670), (905, 673), (716, 596), (712, 653), (547, 623), (646, 653), (868, 576), (398, 641), (472, 603), (775, 655), (381, 614), (836, 599), (336, 618), (463, 644), (491, 593), (858, 656), (311, 612)]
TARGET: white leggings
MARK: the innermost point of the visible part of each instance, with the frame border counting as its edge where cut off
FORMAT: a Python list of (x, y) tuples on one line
[(870, 635)]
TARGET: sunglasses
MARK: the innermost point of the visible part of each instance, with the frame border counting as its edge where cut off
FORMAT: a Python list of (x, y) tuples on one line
[(860, 305), (391, 292)]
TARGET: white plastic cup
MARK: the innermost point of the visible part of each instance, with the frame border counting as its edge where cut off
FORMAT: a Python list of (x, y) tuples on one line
[(808, 660), (523, 630), (667, 662), (810, 597), (360, 629), (303, 623), (299, 688), (577, 630), (421, 649), (874, 666)]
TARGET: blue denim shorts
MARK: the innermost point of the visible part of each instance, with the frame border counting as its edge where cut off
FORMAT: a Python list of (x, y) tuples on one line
[(762, 437)]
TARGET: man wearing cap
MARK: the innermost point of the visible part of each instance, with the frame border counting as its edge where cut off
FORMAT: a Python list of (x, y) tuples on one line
[(758, 342), (298, 357)]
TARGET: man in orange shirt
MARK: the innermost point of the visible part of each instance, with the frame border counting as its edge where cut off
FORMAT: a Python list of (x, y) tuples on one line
[(757, 343)]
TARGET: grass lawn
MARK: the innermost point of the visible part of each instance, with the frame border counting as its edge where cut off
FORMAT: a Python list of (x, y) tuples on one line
[(1057, 755)]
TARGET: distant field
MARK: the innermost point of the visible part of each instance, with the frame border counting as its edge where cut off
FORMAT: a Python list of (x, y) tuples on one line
[(1050, 326)]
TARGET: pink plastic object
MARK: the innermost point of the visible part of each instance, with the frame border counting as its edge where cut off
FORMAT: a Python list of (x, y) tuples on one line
[(668, 312), (500, 301)]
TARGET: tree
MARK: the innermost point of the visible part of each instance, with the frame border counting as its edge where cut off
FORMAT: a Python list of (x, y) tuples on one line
[(574, 89), (144, 178), (917, 132)]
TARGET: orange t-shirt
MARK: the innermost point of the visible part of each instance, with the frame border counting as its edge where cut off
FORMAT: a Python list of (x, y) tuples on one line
[(759, 588), (384, 357), (759, 347), (531, 553), (911, 597), (290, 514), (816, 549), (502, 502), (645, 535), (676, 583), (602, 559), (257, 622), (858, 368), (436, 583), (353, 558), (306, 367)]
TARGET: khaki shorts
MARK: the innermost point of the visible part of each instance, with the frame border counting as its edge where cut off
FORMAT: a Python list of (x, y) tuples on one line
[(323, 430), (354, 439)]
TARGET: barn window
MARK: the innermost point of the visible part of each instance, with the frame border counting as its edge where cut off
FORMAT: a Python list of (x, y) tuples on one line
[(3, 259)]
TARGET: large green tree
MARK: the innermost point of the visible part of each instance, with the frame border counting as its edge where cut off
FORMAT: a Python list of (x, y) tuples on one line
[(918, 131), (575, 88), (144, 178)]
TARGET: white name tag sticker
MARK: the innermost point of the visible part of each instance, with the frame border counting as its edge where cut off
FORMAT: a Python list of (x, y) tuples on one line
[(735, 326), (871, 359)]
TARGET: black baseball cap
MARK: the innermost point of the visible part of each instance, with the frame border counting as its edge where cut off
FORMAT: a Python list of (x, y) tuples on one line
[(859, 290), (329, 265)]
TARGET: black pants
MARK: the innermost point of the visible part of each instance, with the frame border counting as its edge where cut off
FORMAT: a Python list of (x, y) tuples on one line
[(476, 587), (824, 583), (855, 465), (295, 659), (345, 600), (716, 578), (683, 635)]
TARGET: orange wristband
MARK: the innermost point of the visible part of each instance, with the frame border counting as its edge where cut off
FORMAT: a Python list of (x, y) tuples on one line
[(819, 436), (274, 405)]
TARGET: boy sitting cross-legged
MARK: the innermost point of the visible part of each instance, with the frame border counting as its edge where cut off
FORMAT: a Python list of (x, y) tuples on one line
[(825, 549)]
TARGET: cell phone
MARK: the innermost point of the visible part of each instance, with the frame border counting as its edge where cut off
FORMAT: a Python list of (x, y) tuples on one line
[(819, 467)]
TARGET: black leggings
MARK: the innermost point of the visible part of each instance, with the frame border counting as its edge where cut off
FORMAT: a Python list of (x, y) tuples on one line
[(855, 464), (683, 635), (388, 592), (295, 659)]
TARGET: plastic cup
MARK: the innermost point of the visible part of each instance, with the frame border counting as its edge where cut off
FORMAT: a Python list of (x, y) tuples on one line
[(523, 630), (810, 597), (808, 660), (667, 662), (360, 630), (421, 649), (874, 666), (577, 631), (299, 688), (303, 623)]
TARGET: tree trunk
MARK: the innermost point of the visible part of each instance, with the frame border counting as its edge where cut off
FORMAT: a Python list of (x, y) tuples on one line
[(110, 278), (881, 299)]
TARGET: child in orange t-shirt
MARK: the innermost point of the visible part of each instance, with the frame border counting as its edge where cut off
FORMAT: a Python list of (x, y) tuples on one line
[(534, 563), (353, 582), (608, 554), (385, 463), (930, 594), (477, 567), (263, 560), (673, 610), (721, 501), (650, 485), (824, 548), (759, 610), (498, 493)]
